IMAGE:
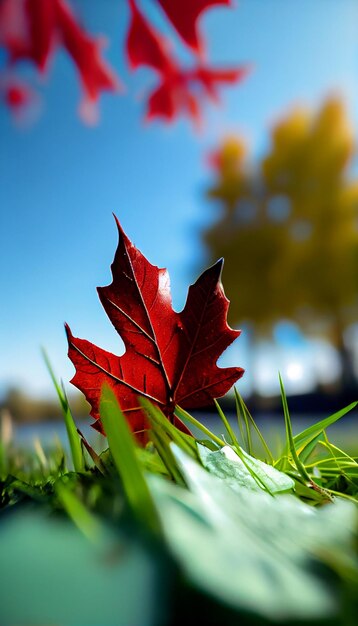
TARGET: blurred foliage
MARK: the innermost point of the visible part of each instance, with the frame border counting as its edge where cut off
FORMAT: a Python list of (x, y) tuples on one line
[(25, 408), (288, 226)]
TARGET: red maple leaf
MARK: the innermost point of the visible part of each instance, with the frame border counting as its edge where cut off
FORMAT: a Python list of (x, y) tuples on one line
[(170, 357), (184, 16)]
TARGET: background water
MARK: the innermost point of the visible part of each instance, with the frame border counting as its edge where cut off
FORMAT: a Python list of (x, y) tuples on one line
[(343, 434)]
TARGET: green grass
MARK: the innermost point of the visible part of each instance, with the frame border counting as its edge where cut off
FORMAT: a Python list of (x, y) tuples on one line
[(228, 535)]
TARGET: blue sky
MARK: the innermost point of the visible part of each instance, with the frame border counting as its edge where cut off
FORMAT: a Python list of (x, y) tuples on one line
[(60, 181)]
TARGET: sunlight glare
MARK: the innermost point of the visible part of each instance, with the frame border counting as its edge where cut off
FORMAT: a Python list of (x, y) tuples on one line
[(294, 371)]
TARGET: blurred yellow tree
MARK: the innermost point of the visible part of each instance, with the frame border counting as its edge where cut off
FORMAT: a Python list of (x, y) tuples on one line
[(288, 227)]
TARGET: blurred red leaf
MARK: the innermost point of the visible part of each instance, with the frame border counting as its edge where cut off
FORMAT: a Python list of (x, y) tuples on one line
[(184, 15), (17, 95), (211, 78), (172, 97), (170, 357), (144, 45), (180, 90), (184, 91), (27, 29), (22, 102), (31, 29), (42, 23), (85, 51)]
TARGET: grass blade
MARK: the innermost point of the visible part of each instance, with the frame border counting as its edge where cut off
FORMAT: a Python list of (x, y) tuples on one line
[(162, 443), (122, 448), (160, 423), (242, 406), (289, 435), (242, 416), (77, 511), (227, 425), (72, 434), (307, 435), (184, 415), (336, 452), (92, 453), (308, 449), (6, 435)]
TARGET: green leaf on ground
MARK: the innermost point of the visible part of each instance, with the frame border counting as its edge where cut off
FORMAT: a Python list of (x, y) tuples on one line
[(254, 552), (238, 473)]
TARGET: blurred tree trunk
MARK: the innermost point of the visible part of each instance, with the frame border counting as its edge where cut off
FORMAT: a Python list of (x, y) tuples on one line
[(347, 378)]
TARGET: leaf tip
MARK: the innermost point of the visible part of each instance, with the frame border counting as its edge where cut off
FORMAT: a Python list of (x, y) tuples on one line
[(121, 232), (219, 264), (68, 331)]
